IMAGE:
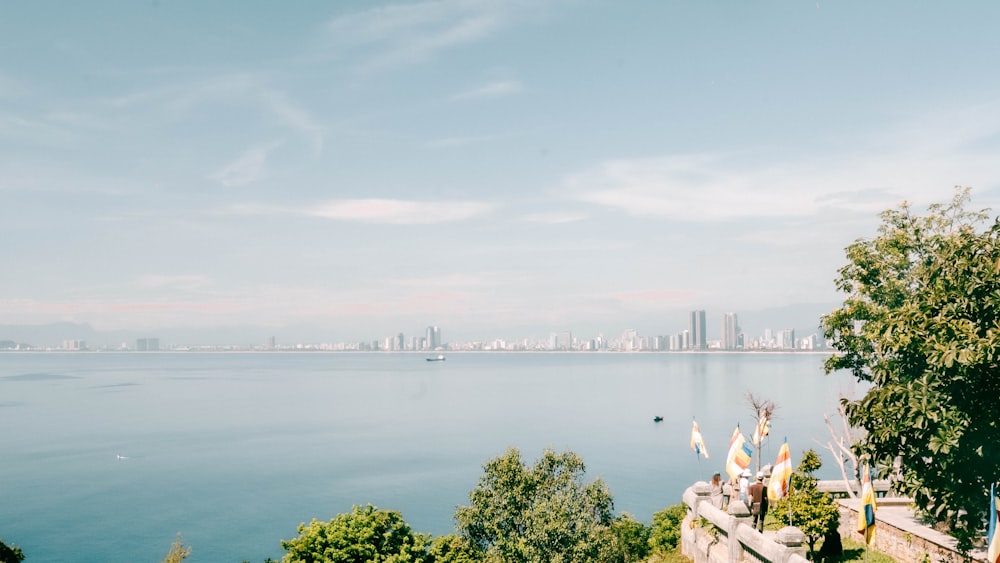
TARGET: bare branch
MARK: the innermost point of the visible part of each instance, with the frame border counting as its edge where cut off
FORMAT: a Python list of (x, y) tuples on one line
[(840, 447)]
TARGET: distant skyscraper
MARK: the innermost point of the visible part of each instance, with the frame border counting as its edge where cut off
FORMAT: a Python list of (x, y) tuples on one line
[(433, 337), (730, 331), (699, 338), (786, 339)]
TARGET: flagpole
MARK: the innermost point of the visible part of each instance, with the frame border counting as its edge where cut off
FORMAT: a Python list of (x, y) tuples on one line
[(790, 523)]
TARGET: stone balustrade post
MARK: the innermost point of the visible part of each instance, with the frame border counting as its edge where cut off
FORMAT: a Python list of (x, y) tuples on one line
[(739, 514), (702, 492), (792, 539)]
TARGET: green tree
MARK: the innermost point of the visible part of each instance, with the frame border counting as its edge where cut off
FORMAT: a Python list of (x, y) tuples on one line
[(452, 548), (365, 535), (545, 513), (665, 535), (10, 553), (813, 511), (921, 324), (630, 540)]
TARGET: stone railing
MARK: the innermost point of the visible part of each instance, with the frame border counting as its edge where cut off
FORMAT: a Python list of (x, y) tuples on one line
[(728, 537), (902, 536), (839, 488), (710, 535)]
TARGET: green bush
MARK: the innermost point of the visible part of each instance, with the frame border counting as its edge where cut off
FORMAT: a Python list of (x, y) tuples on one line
[(665, 535)]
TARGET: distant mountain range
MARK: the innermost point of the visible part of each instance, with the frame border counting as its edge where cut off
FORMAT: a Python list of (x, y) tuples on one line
[(803, 318)]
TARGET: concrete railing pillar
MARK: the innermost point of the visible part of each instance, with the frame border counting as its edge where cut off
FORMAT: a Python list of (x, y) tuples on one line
[(740, 514), (792, 539), (702, 492)]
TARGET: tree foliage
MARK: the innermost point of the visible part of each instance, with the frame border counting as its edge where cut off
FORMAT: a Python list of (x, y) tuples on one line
[(452, 548), (544, 513), (665, 534), (921, 324), (812, 511), (630, 540), (365, 535), (10, 553)]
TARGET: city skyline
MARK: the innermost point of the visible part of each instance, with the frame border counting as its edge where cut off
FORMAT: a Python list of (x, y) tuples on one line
[(568, 165), (681, 337)]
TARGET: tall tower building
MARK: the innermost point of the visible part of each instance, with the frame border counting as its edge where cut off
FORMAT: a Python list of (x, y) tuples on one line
[(730, 331), (699, 336), (433, 337)]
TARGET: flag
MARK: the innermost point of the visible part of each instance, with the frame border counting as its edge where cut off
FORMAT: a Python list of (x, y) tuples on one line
[(866, 511), (697, 443), (781, 474), (992, 537), (762, 428), (739, 454)]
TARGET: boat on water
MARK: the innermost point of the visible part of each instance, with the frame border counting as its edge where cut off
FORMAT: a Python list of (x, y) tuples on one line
[(438, 358)]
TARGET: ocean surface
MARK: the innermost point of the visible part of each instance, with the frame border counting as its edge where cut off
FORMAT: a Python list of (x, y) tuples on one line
[(106, 457)]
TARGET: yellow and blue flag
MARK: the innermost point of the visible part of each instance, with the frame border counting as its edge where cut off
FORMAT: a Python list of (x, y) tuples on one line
[(739, 454), (781, 474), (762, 429), (697, 442), (866, 511), (992, 537)]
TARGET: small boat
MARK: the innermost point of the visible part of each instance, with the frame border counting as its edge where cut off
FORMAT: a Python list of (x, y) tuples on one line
[(657, 419), (438, 358)]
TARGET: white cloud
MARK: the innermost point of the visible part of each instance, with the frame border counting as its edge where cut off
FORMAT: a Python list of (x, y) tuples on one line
[(167, 281), (692, 187), (34, 131), (457, 281), (417, 32), (919, 161), (496, 89), (182, 96), (248, 168), (382, 211), (553, 218), (296, 118), (400, 212), (251, 90)]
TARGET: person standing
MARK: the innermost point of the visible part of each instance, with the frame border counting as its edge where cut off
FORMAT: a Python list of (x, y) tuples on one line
[(764, 501), (756, 494), (716, 494), (744, 485), (728, 492)]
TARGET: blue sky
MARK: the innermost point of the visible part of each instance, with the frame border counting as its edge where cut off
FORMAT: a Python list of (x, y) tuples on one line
[(498, 168)]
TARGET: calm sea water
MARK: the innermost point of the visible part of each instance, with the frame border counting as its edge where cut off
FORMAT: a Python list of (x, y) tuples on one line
[(235, 450)]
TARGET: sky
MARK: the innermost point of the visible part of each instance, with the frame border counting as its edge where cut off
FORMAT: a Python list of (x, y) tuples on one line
[(496, 168)]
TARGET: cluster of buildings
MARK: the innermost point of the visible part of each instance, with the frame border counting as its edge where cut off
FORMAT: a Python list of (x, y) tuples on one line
[(694, 338)]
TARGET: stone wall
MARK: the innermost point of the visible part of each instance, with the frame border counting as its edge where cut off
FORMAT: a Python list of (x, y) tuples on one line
[(710, 535), (899, 534)]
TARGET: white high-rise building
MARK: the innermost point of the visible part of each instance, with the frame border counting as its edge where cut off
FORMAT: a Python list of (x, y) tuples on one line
[(730, 331), (699, 336), (433, 338)]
